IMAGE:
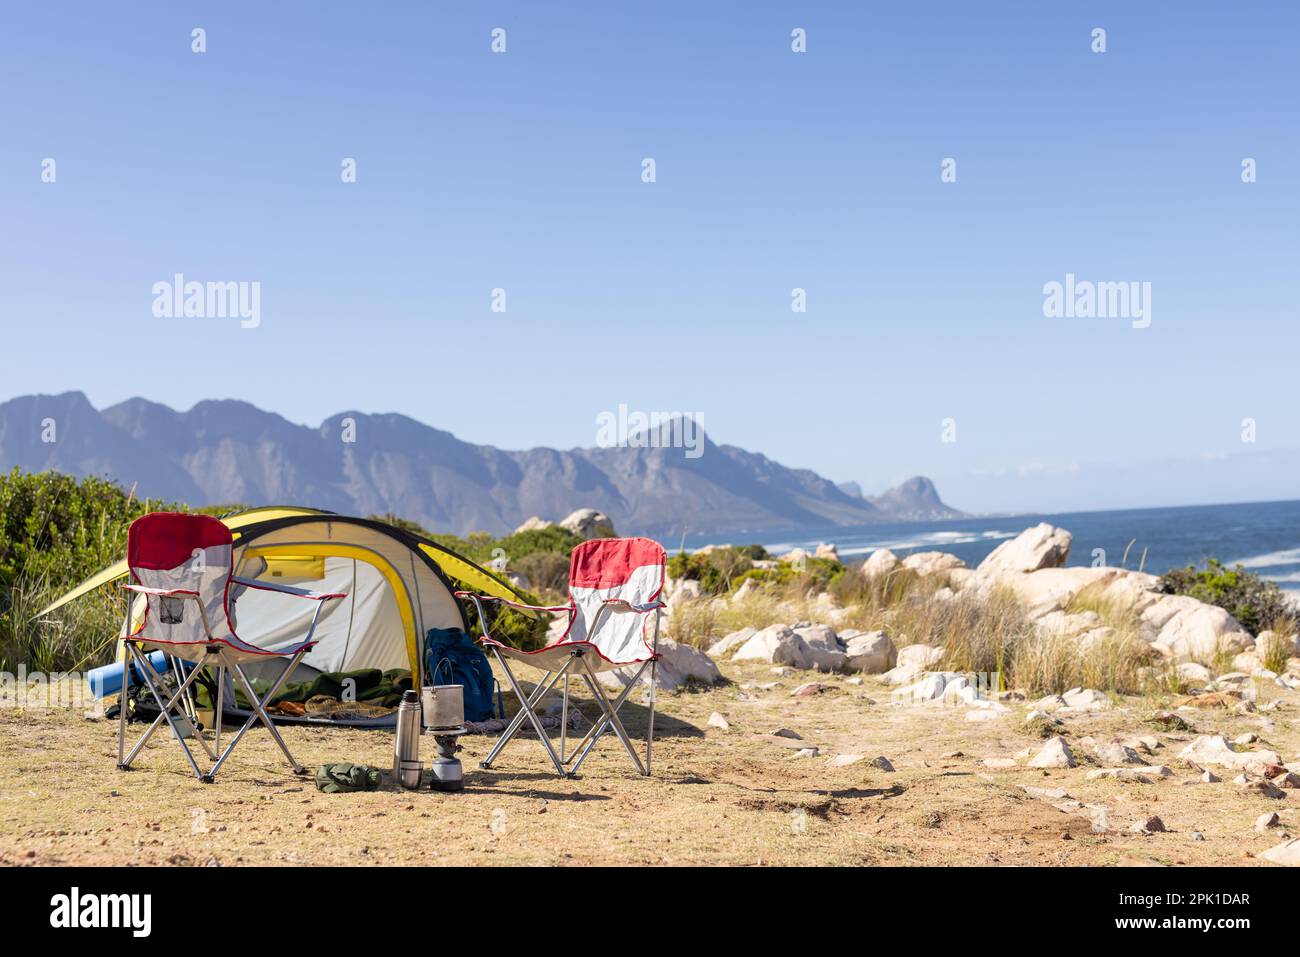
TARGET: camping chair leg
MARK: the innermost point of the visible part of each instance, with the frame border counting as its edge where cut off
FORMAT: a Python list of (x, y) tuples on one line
[(259, 711), (654, 685), (532, 715), (164, 714), (650, 731), (541, 689), (564, 719), (615, 723), (611, 714), (188, 701), (145, 663), (121, 705), (593, 734), (221, 706)]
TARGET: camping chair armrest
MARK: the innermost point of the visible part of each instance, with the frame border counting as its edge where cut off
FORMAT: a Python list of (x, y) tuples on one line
[(482, 618), (288, 590), (160, 592)]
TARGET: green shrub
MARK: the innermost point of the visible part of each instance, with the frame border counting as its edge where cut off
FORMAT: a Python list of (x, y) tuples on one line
[(816, 574), (1254, 601), (55, 532), (717, 570), (545, 571)]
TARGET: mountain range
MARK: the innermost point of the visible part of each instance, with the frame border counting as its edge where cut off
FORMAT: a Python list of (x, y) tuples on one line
[(231, 452)]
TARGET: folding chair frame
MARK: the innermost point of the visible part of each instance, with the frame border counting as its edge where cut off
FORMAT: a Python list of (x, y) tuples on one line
[(578, 664), (180, 708)]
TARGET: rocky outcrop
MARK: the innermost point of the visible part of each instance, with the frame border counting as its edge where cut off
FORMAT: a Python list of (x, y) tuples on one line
[(1215, 750), (932, 563), (588, 523), (725, 646), (871, 652), (880, 562), (1043, 546), (1182, 627), (534, 524)]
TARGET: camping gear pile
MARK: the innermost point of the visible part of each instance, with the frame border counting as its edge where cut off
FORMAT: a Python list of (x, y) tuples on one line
[(319, 618)]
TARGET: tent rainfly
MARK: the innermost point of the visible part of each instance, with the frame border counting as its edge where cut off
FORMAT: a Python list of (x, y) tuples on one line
[(398, 586)]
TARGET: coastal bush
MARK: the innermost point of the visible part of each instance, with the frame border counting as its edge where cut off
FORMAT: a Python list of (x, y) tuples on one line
[(717, 570), (813, 575), (547, 572), (1254, 601), (56, 531)]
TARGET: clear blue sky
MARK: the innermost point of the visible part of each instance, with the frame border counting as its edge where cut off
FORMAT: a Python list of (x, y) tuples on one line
[(775, 170)]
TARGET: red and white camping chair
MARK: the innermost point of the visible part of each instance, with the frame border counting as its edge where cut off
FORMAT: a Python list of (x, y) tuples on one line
[(181, 571), (614, 586)]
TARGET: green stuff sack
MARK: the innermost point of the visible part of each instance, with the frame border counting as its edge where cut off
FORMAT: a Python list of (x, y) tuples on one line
[(343, 778)]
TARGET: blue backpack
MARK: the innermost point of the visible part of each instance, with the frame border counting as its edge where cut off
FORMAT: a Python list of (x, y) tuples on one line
[(452, 658)]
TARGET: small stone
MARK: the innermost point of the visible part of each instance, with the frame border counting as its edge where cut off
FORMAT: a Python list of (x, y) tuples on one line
[(1286, 854), (787, 733), (1114, 755), (952, 754), (1197, 836), (1054, 754), (806, 753), (1264, 789), (1209, 777), (844, 760), (1151, 825), (811, 689), (882, 763), (1265, 821), (1288, 779), (1248, 738), (716, 720), (1046, 794)]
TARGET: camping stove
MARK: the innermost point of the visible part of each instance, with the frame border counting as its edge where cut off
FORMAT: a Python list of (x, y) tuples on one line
[(444, 718), (446, 766)]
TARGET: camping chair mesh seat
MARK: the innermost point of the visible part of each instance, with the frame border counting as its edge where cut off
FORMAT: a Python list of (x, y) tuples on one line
[(181, 571), (614, 586)]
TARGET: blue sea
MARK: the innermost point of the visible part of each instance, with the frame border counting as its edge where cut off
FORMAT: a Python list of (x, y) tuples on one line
[(1264, 537)]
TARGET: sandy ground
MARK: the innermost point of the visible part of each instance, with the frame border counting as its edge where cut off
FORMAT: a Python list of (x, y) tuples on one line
[(716, 797)]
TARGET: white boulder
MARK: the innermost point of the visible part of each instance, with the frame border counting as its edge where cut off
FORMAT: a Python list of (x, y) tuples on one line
[(827, 551), (1183, 627), (869, 651), (1054, 754), (1214, 749), (725, 646), (1287, 853), (779, 645), (880, 562), (1042, 546), (588, 523), (932, 563)]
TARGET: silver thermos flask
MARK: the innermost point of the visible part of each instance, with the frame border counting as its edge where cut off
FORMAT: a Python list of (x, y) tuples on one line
[(406, 746)]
